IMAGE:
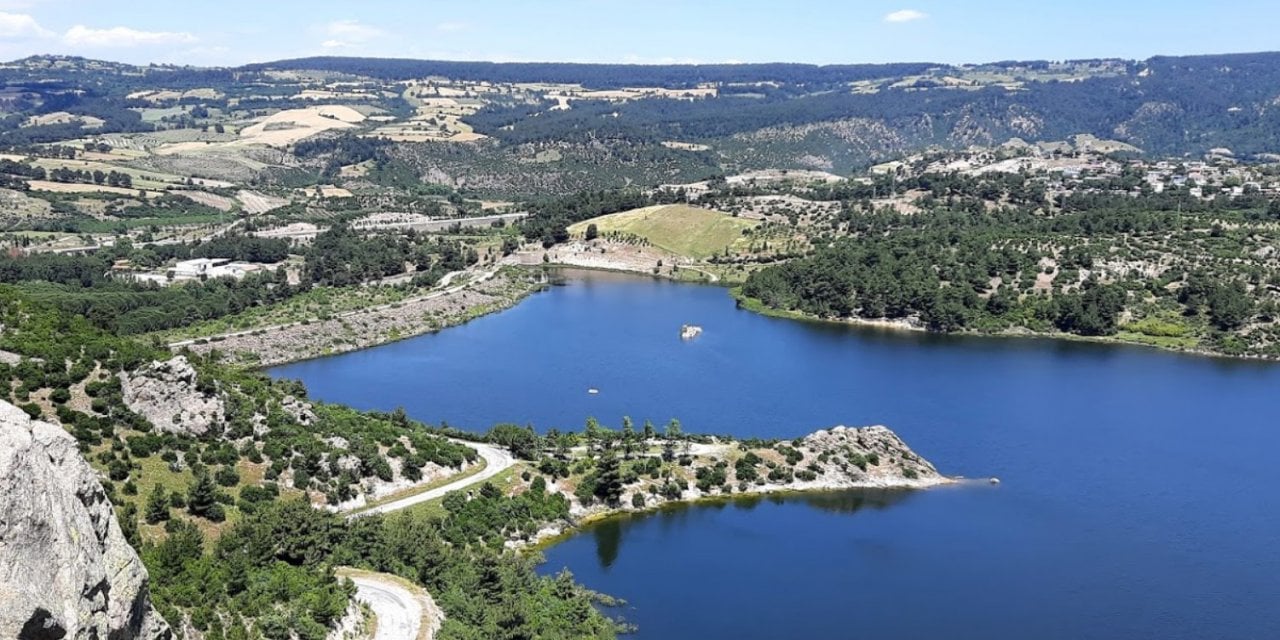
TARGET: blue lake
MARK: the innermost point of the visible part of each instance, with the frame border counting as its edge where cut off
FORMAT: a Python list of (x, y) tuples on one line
[(1140, 493)]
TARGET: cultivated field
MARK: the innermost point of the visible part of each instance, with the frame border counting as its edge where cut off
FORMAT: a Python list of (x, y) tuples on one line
[(289, 126), (15, 204), (255, 202), (222, 203), (62, 117), (680, 229), (72, 187)]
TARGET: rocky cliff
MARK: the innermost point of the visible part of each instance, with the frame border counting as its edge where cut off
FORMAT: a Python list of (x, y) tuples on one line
[(169, 396), (66, 570)]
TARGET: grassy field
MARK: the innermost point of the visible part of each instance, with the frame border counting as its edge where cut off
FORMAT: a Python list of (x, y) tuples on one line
[(110, 226), (148, 180), (680, 229), (155, 472)]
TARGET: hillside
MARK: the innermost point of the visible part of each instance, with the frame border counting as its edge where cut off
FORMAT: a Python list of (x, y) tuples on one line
[(520, 130), (683, 230)]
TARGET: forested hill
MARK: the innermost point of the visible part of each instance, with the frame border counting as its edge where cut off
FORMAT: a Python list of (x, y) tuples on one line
[(602, 76), (557, 128), (1163, 105)]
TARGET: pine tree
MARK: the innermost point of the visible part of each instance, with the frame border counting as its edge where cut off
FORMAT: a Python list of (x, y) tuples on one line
[(674, 430), (157, 506), (593, 432), (628, 436), (202, 499), (609, 478)]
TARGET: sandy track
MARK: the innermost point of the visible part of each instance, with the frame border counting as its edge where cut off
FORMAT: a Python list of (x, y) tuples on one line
[(403, 612)]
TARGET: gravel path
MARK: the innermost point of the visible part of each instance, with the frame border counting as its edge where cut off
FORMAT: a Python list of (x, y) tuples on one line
[(411, 614), (496, 460), (402, 612)]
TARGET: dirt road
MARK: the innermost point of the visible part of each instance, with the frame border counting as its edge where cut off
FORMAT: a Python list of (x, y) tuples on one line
[(496, 460)]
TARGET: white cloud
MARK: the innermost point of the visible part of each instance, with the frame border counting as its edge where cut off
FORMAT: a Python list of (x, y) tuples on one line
[(18, 5), (351, 31), (21, 25), (906, 15), (82, 36), (335, 44)]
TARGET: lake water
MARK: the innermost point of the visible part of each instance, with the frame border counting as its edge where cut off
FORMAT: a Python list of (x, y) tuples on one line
[(1140, 494)]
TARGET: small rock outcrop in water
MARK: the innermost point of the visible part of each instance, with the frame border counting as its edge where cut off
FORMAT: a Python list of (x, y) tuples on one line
[(167, 394), (66, 570), (850, 452)]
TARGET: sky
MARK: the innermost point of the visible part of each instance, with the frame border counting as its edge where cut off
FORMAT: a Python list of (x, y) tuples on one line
[(234, 32)]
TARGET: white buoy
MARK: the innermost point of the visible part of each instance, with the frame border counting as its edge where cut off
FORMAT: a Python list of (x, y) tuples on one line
[(593, 391)]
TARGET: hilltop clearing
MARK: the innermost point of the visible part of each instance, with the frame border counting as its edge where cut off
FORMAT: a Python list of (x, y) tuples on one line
[(683, 230)]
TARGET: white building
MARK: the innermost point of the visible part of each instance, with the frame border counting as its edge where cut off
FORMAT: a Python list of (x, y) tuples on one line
[(199, 267)]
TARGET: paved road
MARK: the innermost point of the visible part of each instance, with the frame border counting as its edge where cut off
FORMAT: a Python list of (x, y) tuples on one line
[(496, 460), (399, 611)]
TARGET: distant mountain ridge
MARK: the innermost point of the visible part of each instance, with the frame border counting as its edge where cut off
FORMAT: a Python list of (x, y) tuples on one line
[(741, 117)]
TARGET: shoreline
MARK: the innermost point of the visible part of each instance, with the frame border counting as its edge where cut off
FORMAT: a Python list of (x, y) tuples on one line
[(754, 305), (309, 340), (554, 533), (664, 277)]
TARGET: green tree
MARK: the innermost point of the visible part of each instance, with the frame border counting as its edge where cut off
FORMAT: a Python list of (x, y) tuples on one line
[(157, 510), (202, 498), (628, 436), (1230, 306), (609, 478), (674, 430), (522, 441), (227, 476), (593, 432)]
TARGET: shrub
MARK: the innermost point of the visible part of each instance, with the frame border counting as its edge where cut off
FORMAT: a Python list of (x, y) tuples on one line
[(227, 477)]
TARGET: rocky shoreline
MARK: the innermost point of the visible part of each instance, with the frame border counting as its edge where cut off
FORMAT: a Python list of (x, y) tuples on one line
[(318, 338), (837, 459)]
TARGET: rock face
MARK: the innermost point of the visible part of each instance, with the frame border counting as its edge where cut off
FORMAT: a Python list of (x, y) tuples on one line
[(166, 394), (849, 452), (66, 570), (299, 410)]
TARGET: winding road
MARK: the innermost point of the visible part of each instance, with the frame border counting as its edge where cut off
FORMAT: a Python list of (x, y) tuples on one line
[(496, 460), (402, 612), (411, 614)]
